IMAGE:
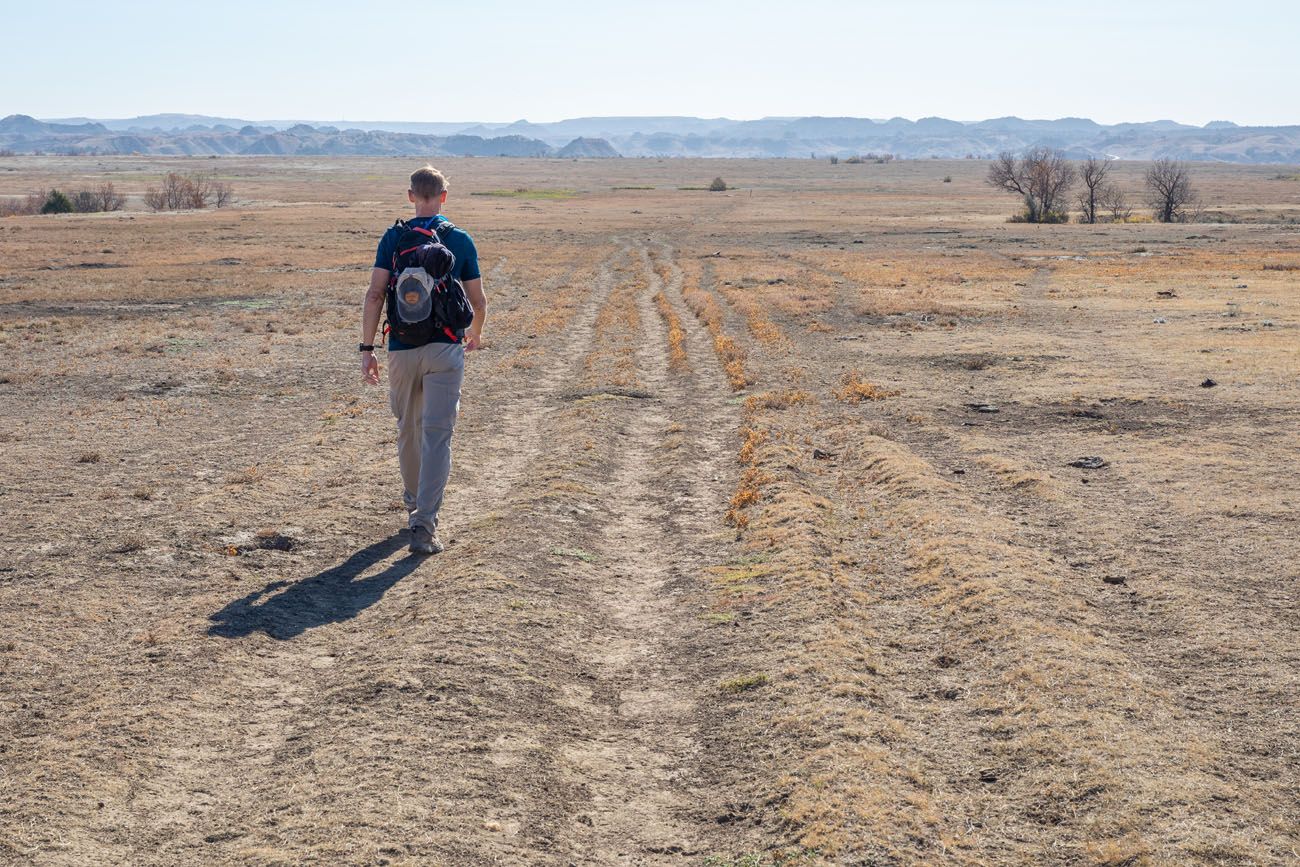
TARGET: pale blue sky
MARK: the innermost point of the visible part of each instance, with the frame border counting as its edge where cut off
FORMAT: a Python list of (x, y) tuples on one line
[(498, 60)]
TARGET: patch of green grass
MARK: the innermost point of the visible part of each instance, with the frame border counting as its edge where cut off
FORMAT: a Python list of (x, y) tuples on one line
[(705, 189), (523, 193), (719, 617), (741, 577), (575, 553), (647, 187), (178, 345), (740, 573), (744, 683)]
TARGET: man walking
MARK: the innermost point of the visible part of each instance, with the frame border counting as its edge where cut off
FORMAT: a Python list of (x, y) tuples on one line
[(424, 381)]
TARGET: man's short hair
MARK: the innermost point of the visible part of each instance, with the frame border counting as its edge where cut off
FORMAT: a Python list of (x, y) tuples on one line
[(428, 183)]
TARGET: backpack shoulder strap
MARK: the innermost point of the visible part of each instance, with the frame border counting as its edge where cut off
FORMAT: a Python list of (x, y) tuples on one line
[(442, 227)]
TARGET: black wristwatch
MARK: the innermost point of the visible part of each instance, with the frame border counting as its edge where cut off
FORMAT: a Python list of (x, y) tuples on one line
[(366, 347)]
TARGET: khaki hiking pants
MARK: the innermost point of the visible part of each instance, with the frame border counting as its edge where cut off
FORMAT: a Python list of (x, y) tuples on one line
[(424, 392)]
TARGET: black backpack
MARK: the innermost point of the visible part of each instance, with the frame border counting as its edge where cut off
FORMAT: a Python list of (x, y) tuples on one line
[(425, 300)]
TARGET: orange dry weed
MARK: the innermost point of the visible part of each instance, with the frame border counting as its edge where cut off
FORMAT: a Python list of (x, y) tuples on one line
[(677, 359), (855, 389), (730, 353)]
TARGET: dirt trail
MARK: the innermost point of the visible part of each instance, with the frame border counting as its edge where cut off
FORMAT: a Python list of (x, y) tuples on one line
[(638, 742), (535, 695), (659, 501)]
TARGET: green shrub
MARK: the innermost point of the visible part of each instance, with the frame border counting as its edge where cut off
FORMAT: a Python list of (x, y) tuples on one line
[(718, 186), (56, 203)]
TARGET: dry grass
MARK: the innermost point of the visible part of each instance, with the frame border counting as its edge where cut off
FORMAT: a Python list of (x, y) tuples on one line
[(854, 388), (923, 639), (677, 358), (730, 353), (777, 399), (617, 337)]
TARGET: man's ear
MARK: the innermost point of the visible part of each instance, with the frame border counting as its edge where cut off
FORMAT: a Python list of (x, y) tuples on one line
[(410, 196), (443, 199)]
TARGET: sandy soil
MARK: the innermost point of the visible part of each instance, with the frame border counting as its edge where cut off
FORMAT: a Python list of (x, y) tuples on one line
[(765, 543)]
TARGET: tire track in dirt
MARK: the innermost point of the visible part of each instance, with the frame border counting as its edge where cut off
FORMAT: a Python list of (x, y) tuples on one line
[(499, 468), (639, 759)]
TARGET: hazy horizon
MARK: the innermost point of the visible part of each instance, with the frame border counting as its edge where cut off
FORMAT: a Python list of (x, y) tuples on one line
[(499, 61), (530, 120)]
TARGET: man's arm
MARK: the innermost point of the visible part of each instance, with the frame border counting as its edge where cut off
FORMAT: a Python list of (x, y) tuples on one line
[(478, 300), (370, 322)]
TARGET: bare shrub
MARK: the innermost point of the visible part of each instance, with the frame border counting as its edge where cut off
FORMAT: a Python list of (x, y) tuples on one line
[(24, 207), (180, 193), (154, 199), (109, 198), (197, 191), (85, 202), (222, 194), (1042, 177), (1115, 203), (1169, 191)]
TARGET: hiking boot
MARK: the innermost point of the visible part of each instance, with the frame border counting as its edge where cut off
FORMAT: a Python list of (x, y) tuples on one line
[(424, 542)]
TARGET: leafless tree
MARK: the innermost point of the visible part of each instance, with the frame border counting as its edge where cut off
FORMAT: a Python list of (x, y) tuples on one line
[(222, 193), (197, 191), (1042, 177), (1169, 190), (85, 202), (1113, 200), (1092, 173), (109, 198), (24, 207), (179, 192), (153, 199)]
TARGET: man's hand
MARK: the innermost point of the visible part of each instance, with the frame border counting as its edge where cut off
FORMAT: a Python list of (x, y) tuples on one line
[(369, 368), (477, 300)]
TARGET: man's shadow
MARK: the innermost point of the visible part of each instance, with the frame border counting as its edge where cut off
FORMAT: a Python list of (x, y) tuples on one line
[(328, 597)]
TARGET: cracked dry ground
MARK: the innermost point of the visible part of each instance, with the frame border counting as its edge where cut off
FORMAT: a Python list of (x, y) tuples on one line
[(737, 575)]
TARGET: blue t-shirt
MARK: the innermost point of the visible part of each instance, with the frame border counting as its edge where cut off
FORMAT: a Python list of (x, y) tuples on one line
[(457, 241)]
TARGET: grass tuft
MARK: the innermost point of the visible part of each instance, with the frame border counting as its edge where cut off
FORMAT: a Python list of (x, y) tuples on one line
[(744, 683), (855, 389), (575, 553)]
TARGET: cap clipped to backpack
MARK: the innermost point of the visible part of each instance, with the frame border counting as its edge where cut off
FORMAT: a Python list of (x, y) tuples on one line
[(414, 293)]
